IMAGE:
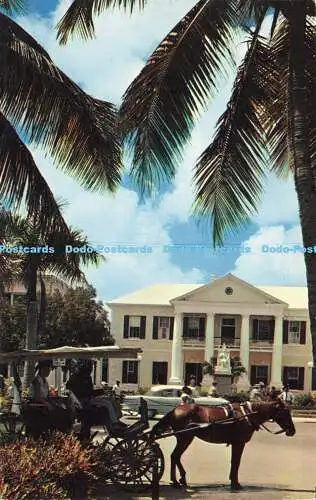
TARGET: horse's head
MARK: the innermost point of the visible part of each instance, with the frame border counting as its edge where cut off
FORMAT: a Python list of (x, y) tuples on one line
[(281, 414)]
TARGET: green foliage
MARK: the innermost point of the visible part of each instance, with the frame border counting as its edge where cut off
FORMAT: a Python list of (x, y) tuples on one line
[(239, 397), (75, 318), (44, 470), (237, 367), (12, 325), (208, 368), (304, 402)]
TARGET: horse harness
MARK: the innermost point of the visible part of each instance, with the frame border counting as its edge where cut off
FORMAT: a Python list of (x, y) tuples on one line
[(248, 405)]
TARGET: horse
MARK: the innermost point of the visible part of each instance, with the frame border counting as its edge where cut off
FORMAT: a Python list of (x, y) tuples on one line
[(233, 425)]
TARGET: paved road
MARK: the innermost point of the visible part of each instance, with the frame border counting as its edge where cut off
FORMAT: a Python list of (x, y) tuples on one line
[(273, 468)]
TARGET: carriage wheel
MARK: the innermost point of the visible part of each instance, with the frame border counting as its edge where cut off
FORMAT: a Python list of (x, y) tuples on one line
[(103, 455), (134, 463)]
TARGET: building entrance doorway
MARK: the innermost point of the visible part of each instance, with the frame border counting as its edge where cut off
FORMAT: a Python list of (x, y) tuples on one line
[(193, 370)]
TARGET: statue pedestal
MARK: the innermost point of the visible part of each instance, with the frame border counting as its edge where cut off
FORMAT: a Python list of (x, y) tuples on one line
[(224, 383)]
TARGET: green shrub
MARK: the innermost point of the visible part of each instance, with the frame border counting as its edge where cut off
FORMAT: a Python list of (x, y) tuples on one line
[(304, 402), (143, 390), (239, 397), (37, 470)]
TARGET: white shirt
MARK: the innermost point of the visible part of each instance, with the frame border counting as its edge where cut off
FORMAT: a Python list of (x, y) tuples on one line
[(117, 390), (288, 397)]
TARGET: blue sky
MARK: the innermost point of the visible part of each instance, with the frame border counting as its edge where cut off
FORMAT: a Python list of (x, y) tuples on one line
[(104, 67)]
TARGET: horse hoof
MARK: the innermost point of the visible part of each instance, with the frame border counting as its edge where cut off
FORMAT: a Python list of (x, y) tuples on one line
[(175, 484), (183, 482), (236, 487)]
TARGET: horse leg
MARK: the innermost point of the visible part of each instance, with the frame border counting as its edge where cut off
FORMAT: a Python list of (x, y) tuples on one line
[(181, 446), (237, 451)]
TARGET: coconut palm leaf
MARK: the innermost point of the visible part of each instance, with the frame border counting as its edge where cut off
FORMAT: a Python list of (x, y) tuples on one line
[(79, 16), (162, 104), (21, 180), (229, 174), (76, 129), (12, 6), (278, 125)]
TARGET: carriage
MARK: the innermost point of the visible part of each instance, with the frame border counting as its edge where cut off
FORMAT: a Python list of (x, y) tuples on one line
[(135, 464), (129, 457)]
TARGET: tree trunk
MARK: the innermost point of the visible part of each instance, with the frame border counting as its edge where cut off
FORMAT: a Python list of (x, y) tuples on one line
[(31, 321), (300, 151)]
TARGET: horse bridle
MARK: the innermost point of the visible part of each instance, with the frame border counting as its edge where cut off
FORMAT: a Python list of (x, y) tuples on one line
[(281, 431)]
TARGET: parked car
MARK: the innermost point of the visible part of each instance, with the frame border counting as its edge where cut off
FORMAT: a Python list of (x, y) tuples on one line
[(163, 398)]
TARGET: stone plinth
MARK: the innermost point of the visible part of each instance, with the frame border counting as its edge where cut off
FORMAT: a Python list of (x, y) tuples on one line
[(224, 383)]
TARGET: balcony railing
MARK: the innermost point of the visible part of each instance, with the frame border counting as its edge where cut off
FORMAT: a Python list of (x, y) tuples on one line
[(232, 342), (193, 340), (265, 345)]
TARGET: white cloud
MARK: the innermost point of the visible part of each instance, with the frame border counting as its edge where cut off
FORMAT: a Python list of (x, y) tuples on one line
[(269, 262), (119, 220), (279, 203)]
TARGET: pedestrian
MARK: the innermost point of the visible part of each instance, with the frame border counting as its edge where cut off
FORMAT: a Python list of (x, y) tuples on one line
[(117, 390), (287, 396), (273, 394), (256, 393)]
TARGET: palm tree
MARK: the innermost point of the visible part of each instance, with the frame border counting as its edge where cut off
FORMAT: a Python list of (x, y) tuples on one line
[(40, 101), (33, 266), (269, 122)]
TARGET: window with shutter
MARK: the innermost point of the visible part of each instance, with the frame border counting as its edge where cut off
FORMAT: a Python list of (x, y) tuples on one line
[(163, 328), (130, 372), (134, 327), (294, 377), (294, 332)]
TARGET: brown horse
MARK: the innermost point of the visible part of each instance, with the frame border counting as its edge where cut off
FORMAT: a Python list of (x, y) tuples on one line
[(242, 420)]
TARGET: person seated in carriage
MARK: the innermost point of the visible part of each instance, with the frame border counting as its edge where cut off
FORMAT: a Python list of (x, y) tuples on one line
[(44, 413), (97, 410)]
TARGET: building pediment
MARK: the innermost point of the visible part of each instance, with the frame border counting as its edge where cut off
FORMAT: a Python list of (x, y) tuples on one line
[(228, 289)]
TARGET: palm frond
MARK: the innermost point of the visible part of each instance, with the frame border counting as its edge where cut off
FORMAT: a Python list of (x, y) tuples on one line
[(80, 16), (20, 231), (12, 6), (251, 10), (277, 123), (80, 132), (162, 104), (21, 181), (229, 174)]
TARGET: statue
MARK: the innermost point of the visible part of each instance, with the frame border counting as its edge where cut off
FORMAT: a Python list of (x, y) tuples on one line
[(223, 360)]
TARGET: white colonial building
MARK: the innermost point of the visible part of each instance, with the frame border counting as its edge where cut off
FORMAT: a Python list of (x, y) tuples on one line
[(179, 326)]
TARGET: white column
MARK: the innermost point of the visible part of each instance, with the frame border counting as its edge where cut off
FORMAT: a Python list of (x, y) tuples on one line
[(176, 359), (244, 341), (98, 372), (209, 337), (276, 368)]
